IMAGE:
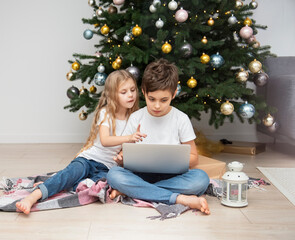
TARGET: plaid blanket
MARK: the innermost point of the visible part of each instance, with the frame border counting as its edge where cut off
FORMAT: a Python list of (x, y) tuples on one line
[(87, 192)]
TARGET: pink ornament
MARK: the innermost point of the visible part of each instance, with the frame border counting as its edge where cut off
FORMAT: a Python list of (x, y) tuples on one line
[(251, 39), (118, 2), (246, 32), (181, 15)]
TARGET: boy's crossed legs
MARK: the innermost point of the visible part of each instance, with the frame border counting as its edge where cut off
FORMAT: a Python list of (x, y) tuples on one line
[(172, 189)]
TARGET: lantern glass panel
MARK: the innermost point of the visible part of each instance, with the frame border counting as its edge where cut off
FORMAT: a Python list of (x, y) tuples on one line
[(233, 191), (224, 190), (244, 192)]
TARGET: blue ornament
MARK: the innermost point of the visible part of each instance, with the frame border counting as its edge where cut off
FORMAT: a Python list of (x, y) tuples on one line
[(100, 78), (178, 90), (247, 110), (88, 34), (216, 60)]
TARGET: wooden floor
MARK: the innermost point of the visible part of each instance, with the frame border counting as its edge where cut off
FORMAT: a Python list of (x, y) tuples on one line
[(269, 214)]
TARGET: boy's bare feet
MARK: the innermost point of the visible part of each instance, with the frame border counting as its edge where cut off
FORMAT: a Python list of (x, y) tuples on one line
[(115, 193), (194, 202), (26, 204)]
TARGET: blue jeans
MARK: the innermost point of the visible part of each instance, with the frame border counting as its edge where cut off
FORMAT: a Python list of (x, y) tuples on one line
[(79, 169), (153, 187)]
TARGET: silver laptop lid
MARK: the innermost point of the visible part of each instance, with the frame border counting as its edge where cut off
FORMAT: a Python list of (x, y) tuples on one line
[(156, 158)]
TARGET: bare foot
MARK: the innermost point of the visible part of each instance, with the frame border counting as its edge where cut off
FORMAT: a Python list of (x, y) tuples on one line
[(115, 193), (26, 204), (194, 202), (37, 183)]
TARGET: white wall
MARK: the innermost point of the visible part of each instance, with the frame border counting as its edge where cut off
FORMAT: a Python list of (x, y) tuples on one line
[(37, 39)]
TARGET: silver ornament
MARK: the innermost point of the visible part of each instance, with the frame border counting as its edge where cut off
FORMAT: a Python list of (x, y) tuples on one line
[(73, 92), (159, 23), (152, 9), (239, 4), (236, 37), (156, 3), (99, 12), (172, 5), (253, 4), (260, 79), (274, 127), (232, 20), (247, 110), (127, 38), (186, 50), (134, 71), (101, 68)]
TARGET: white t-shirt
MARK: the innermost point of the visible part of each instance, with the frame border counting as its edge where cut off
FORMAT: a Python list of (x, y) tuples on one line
[(173, 128), (100, 153)]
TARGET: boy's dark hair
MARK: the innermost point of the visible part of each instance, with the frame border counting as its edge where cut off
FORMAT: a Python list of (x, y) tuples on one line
[(160, 75)]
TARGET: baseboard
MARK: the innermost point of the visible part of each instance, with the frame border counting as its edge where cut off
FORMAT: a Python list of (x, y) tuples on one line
[(43, 138)]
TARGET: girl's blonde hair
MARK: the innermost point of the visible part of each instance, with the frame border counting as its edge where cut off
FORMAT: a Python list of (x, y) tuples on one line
[(109, 101)]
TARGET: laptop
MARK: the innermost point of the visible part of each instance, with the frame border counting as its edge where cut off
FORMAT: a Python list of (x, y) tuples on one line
[(156, 158)]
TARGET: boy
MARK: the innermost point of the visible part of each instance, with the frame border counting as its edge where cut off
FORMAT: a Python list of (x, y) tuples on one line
[(162, 124)]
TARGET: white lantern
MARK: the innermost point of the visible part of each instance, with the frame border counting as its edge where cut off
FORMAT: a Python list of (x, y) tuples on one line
[(235, 184)]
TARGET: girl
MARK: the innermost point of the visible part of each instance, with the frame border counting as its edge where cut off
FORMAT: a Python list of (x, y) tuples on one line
[(118, 100)]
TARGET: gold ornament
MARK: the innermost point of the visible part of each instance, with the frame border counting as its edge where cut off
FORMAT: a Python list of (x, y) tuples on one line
[(205, 58), (227, 108), (192, 83), (83, 115), (92, 89), (75, 66), (268, 120), (119, 60), (136, 31), (242, 76), (210, 21), (166, 48), (69, 75), (256, 44), (255, 66), (83, 90), (248, 22), (204, 40), (116, 65), (105, 29)]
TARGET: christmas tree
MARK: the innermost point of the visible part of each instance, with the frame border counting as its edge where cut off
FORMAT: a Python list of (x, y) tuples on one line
[(212, 42)]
